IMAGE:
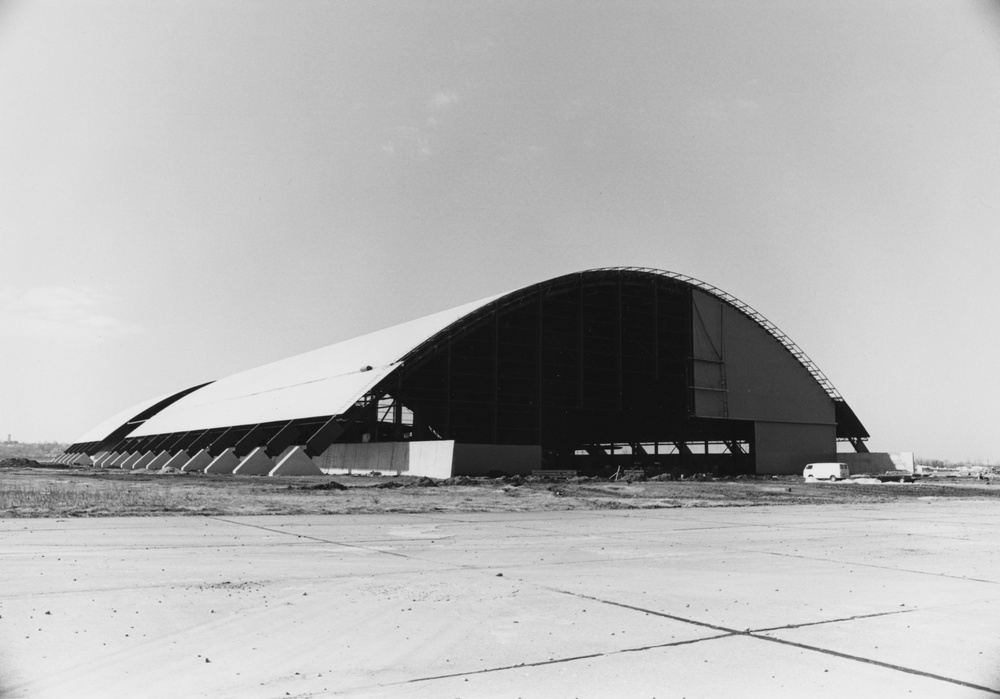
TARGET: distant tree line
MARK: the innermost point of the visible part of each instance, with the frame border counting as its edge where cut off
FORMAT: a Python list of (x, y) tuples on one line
[(39, 451), (941, 463)]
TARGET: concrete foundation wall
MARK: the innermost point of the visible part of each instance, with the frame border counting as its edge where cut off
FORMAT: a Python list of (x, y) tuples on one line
[(159, 461), (384, 457), (295, 462), (876, 462), (177, 460), (129, 463), (226, 462), (436, 459), (198, 462), (256, 463), (143, 461), (433, 459)]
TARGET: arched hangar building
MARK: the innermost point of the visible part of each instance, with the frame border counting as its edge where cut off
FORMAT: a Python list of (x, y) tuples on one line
[(587, 371)]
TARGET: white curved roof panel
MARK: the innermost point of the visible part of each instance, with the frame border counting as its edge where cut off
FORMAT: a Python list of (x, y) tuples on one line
[(326, 381), (103, 430)]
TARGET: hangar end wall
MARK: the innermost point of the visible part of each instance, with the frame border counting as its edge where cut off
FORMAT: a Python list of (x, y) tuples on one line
[(877, 462), (436, 459), (742, 373)]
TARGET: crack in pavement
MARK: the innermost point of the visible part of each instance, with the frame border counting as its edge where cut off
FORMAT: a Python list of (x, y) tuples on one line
[(878, 663), (723, 631), (758, 634), (570, 659), (311, 538), (835, 621), (874, 565), (411, 557), (626, 534)]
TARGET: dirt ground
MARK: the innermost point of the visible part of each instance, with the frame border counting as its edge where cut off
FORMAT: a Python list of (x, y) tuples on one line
[(49, 491)]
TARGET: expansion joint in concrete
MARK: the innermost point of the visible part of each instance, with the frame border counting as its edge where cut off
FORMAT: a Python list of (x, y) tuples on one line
[(894, 569), (871, 661), (835, 621), (310, 538), (761, 635), (571, 659)]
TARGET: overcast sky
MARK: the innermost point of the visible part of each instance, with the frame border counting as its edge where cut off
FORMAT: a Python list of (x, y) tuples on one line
[(190, 189)]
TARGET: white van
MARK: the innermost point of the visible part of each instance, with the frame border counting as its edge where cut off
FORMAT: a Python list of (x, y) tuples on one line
[(830, 471)]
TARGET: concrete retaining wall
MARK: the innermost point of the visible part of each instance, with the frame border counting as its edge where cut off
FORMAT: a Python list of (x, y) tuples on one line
[(436, 459), (384, 457), (432, 459), (877, 462)]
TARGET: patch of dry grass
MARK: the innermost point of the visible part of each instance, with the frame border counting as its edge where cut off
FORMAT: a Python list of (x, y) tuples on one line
[(45, 498)]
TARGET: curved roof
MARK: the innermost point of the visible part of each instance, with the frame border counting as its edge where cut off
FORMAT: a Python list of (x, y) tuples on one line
[(747, 310), (326, 381), (101, 431), (330, 380), (127, 421)]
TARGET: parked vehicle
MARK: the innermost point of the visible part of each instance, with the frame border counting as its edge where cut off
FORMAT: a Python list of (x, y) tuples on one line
[(830, 471), (896, 477)]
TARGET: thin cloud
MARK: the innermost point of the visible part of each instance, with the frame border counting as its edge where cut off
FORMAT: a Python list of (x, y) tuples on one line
[(440, 101), (59, 312), (415, 137)]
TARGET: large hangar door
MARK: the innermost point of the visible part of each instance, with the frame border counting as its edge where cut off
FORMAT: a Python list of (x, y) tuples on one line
[(708, 357), (785, 448)]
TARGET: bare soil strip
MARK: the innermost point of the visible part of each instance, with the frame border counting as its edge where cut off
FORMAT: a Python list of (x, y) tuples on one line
[(44, 491)]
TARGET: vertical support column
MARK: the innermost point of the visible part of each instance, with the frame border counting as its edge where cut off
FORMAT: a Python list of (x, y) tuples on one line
[(496, 370), (397, 416), (656, 331), (447, 391), (538, 339), (620, 323)]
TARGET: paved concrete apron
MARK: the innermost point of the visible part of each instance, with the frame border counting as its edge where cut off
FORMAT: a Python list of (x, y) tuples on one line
[(887, 601)]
